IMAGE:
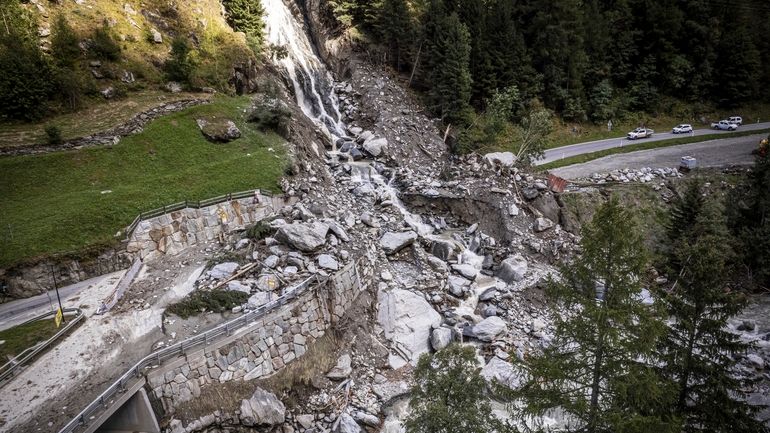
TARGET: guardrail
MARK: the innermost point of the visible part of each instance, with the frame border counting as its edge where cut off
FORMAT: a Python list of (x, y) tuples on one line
[(192, 204), (13, 366), (155, 359)]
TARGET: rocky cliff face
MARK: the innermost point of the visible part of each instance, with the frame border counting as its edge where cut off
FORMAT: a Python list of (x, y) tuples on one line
[(334, 46)]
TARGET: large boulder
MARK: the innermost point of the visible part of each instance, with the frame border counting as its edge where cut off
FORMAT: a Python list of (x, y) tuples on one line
[(513, 269), (548, 206), (223, 270), (218, 130), (393, 242), (376, 147), (502, 372), (306, 237), (440, 338), (407, 320), (490, 328), (262, 409), (444, 249), (342, 370), (505, 159), (542, 224)]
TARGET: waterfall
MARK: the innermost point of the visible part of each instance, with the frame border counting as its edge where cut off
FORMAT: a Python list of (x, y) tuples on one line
[(311, 80)]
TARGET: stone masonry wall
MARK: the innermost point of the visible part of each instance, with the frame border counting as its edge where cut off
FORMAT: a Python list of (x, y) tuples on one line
[(266, 345), (173, 232)]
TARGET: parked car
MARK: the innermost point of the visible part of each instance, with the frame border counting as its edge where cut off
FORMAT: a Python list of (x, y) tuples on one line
[(640, 133), (738, 120), (684, 128), (725, 125)]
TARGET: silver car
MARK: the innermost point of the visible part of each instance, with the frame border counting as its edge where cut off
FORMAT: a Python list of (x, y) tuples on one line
[(684, 128)]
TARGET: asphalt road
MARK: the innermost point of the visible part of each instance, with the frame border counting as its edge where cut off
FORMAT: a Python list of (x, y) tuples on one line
[(15, 312), (712, 153), (595, 146)]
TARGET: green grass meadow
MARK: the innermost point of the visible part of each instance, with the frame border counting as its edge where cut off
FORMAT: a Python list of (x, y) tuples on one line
[(60, 202)]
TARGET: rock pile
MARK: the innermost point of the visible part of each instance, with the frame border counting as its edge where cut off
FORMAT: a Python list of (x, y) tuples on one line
[(642, 175)]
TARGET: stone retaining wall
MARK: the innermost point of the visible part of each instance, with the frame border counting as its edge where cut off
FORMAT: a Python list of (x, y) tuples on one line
[(173, 232), (265, 346)]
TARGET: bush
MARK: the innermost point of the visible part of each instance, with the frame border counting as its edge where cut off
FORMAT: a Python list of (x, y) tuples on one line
[(65, 50), (53, 135), (104, 46), (271, 114), (217, 301), (259, 231), (179, 67)]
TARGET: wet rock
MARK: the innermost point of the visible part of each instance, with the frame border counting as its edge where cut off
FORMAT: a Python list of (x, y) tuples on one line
[(262, 409), (747, 325), (488, 294), (489, 329), (306, 237), (466, 270), (376, 147), (513, 269), (444, 249), (756, 361), (393, 242), (342, 370), (542, 224), (440, 338), (366, 135), (223, 270), (407, 320)]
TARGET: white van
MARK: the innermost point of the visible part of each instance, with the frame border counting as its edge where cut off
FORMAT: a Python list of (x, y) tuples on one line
[(738, 120)]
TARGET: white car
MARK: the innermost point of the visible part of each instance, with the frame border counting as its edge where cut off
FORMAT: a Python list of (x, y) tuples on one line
[(684, 128), (640, 133), (738, 120)]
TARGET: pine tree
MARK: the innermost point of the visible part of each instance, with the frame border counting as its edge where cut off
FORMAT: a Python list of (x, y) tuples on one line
[(738, 66), (598, 367), (698, 352), (450, 78), (448, 395), (394, 23), (179, 67), (246, 16)]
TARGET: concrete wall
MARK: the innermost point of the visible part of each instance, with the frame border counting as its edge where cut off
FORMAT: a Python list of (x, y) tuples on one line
[(265, 346), (173, 232)]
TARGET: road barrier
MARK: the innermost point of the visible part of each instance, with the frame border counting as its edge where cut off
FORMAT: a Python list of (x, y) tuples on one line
[(9, 369), (155, 359)]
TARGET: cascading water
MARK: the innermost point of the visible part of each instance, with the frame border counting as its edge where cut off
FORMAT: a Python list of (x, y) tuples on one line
[(311, 80)]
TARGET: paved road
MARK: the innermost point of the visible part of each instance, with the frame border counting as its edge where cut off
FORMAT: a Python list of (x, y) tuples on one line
[(15, 312), (595, 146), (713, 153)]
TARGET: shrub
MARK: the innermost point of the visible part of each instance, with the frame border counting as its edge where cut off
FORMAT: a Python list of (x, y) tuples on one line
[(53, 135), (104, 46), (179, 67), (259, 231), (65, 50), (270, 114)]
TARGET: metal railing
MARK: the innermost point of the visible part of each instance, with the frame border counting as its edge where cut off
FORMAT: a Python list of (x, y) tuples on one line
[(193, 205), (9, 369), (157, 358)]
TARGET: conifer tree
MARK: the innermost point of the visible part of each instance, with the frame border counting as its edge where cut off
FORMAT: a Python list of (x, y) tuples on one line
[(395, 25), (246, 16), (450, 92), (65, 50), (448, 395), (698, 352), (598, 367)]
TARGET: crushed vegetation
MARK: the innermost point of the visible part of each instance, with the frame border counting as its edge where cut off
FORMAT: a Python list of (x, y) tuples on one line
[(217, 301)]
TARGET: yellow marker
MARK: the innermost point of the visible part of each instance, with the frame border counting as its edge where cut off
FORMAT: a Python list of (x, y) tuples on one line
[(58, 318)]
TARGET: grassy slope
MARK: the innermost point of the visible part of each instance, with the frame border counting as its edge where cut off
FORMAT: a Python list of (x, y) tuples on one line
[(54, 202), (579, 159), (23, 336)]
